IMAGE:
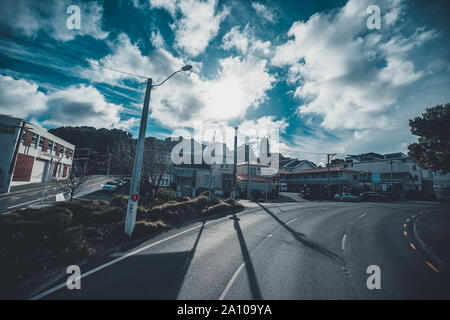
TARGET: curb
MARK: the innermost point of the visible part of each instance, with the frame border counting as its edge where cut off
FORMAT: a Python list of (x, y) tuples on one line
[(423, 246)]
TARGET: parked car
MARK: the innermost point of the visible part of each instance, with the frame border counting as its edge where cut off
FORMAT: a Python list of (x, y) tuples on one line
[(345, 197), (372, 196), (110, 186), (119, 182)]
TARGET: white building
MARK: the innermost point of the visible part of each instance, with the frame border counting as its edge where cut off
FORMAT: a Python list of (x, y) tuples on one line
[(381, 172), (258, 179), (30, 154)]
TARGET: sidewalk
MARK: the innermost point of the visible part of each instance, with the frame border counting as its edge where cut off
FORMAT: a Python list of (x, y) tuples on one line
[(432, 231), (35, 186)]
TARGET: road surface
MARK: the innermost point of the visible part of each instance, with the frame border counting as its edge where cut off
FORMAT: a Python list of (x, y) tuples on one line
[(29, 198), (298, 250)]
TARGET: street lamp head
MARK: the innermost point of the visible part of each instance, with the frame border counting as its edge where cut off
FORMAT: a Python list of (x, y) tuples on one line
[(187, 67)]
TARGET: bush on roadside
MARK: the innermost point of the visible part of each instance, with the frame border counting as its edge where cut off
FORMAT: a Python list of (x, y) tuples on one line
[(119, 201)]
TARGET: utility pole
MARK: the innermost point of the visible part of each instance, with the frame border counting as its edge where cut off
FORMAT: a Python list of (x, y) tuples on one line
[(329, 156), (86, 163), (130, 218), (109, 164), (235, 185), (392, 181), (247, 147), (136, 177), (210, 174)]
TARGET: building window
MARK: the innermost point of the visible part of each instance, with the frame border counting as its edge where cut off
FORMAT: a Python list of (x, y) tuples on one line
[(41, 142), (414, 167), (50, 146), (34, 140)]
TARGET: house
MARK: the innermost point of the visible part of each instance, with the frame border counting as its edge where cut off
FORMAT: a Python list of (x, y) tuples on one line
[(393, 172), (31, 154), (316, 180), (260, 179), (288, 164)]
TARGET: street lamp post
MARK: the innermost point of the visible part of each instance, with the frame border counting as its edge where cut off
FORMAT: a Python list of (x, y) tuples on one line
[(130, 219)]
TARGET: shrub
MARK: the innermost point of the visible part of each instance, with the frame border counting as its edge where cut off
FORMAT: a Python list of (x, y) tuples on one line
[(220, 207), (201, 191), (71, 243), (119, 201), (165, 194)]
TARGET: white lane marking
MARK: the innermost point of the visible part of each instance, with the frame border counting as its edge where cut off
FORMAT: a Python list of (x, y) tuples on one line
[(343, 241), (230, 283), (290, 221), (103, 266), (361, 216)]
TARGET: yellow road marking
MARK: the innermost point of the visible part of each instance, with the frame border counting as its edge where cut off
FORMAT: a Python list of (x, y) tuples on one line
[(432, 267), (15, 198), (412, 246), (405, 233)]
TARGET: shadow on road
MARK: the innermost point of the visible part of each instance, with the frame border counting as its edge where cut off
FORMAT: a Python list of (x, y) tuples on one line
[(300, 237), (253, 281), (153, 276)]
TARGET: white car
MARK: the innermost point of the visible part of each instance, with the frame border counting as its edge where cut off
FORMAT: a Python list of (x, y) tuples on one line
[(345, 197), (119, 182), (110, 186)]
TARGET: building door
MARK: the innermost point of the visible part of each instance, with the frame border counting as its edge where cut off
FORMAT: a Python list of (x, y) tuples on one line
[(38, 170)]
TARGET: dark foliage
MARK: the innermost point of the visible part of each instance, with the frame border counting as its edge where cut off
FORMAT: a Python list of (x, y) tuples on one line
[(432, 151)]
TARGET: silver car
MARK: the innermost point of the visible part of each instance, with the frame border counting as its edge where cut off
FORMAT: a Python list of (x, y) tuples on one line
[(345, 197)]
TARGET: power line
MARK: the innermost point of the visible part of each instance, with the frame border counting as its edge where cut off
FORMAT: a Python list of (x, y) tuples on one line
[(68, 55)]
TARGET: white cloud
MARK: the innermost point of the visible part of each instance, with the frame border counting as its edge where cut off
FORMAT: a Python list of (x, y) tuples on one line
[(169, 5), (157, 40), (30, 17), (127, 56), (245, 41), (263, 11), (20, 98), (333, 58), (241, 83), (75, 105), (81, 105), (198, 25)]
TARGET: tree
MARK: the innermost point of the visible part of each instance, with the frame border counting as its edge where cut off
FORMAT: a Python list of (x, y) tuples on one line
[(78, 178), (432, 151), (122, 157), (156, 162)]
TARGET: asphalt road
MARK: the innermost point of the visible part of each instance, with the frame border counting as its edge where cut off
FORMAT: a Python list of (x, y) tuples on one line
[(30, 198), (301, 250)]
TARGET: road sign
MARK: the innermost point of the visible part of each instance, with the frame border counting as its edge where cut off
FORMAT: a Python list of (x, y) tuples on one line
[(135, 197)]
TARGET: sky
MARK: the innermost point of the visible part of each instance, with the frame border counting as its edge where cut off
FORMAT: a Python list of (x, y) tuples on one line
[(314, 70)]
